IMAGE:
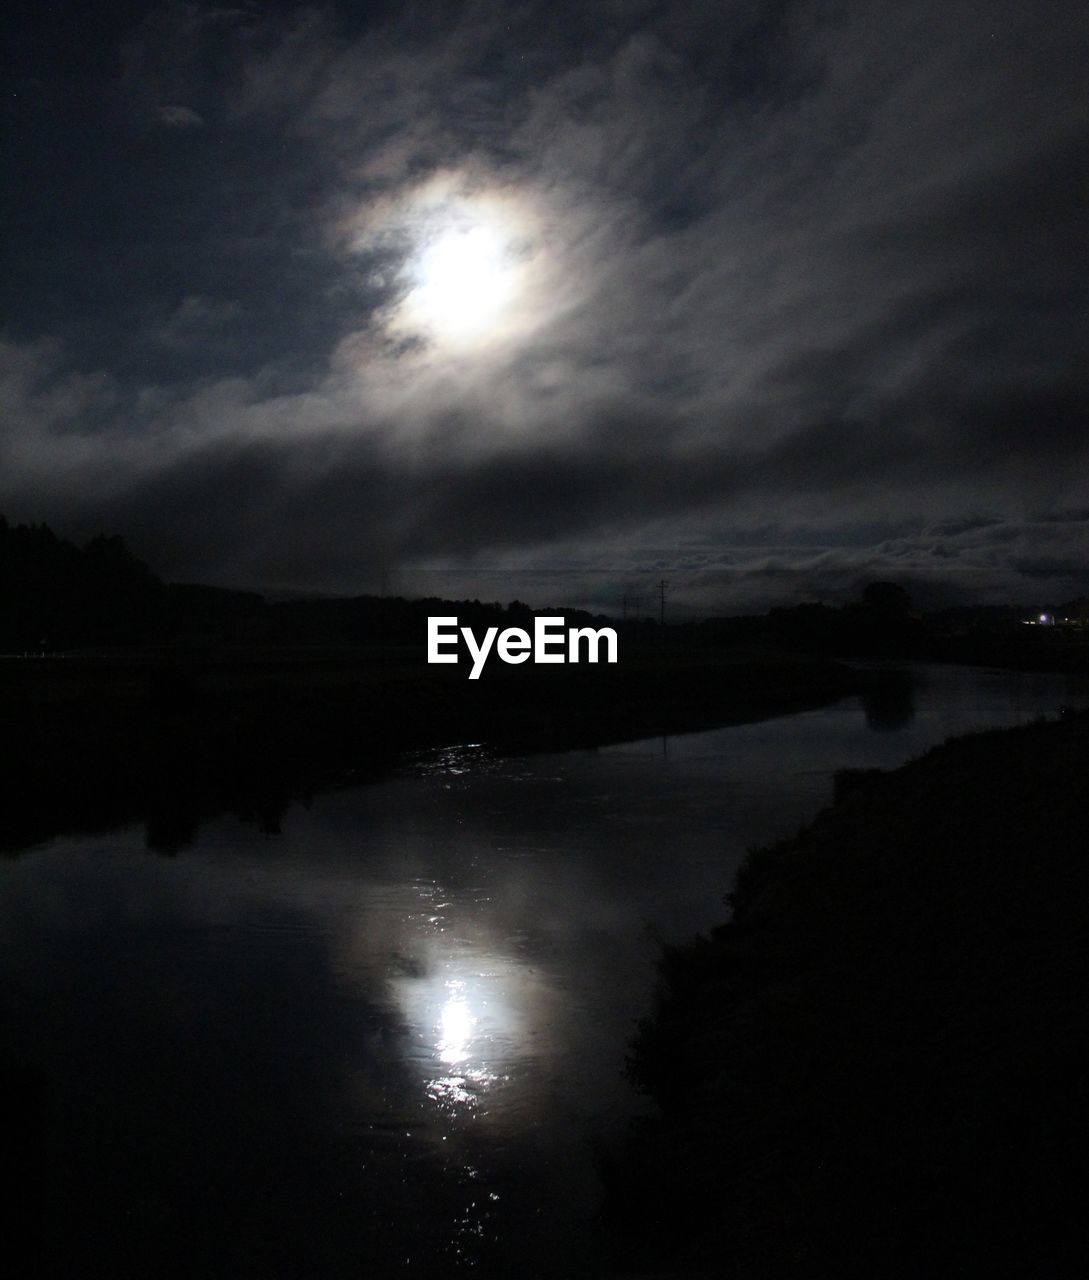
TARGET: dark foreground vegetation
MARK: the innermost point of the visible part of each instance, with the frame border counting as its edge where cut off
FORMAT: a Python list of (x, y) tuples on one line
[(879, 1067)]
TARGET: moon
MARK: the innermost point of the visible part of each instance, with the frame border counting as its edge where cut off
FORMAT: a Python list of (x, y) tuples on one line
[(476, 277), (471, 274), (465, 280)]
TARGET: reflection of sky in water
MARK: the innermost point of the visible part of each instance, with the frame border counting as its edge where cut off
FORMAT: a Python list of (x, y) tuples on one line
[(399, 1025)]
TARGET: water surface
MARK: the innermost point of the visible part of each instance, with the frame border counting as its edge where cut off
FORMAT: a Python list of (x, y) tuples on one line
[(387, 1039)]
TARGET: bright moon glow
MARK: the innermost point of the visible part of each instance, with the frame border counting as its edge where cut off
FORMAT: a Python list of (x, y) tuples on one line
[(476, 277), (465, 279)]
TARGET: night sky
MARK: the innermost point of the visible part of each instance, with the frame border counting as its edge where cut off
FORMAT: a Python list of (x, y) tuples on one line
[(550, 300)]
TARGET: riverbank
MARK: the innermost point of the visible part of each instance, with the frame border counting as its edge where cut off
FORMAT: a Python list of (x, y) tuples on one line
[(877, 1067), (171, 738)]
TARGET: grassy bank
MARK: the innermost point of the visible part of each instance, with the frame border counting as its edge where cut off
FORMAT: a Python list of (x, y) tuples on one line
[(880, 1065), (171, 738)]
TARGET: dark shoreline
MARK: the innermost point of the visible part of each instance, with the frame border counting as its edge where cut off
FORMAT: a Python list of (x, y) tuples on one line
[(878, 1065), (172, 738)]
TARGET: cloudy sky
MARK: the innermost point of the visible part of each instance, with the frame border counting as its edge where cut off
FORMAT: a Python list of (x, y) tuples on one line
[(550, 300)]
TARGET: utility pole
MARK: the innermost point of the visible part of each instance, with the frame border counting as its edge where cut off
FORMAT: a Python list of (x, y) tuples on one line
[(662, 585)]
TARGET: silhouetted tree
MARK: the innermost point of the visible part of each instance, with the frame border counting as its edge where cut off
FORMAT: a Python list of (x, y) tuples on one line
[(886, 601)]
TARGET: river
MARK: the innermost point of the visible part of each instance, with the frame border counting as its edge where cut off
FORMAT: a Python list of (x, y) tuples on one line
[(389, 1039)]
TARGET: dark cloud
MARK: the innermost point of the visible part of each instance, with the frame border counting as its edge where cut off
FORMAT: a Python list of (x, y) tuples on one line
[(806, 301)]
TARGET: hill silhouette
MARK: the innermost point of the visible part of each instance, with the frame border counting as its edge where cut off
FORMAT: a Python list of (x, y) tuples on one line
[(56, 596)]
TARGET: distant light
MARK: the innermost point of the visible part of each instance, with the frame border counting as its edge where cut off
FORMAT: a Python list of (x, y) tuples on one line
[(1043, 617)]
